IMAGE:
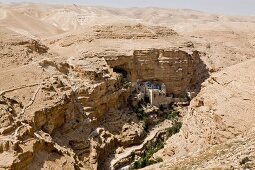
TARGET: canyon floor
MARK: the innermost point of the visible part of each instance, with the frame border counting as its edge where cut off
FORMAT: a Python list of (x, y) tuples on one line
[(63, 104)]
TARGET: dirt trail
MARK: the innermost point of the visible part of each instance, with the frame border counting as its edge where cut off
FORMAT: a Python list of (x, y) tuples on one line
[(160, 128)]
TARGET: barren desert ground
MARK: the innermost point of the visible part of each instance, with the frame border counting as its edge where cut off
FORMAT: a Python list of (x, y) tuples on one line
[(105, 88)]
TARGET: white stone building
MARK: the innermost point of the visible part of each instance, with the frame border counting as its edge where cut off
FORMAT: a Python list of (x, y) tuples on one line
[(153, 93)]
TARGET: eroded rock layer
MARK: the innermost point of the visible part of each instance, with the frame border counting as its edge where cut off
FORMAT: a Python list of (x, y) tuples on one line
[(177, 69)]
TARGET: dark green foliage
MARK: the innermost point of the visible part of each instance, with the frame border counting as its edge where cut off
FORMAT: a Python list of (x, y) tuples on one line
[(146, 127), (159, 160), (142, 117), (140, 114), (174, 129), (145, 159), (173, 115), (184, 97)]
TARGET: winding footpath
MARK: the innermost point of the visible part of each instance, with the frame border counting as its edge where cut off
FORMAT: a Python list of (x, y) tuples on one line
[(158, 130)]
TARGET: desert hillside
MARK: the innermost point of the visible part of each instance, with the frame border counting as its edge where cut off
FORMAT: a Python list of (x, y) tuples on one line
[(104, 88)]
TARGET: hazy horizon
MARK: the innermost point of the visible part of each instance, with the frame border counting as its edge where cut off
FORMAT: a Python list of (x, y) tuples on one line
[(229, 7)]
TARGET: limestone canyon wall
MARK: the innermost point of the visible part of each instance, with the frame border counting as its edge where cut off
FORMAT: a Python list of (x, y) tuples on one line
[(176, 68)]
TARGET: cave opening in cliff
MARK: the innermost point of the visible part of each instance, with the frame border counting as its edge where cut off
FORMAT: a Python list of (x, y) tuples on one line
[(122, 72)]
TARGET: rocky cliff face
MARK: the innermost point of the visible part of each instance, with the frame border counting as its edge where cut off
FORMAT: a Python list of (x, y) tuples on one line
[(61, 110), (237, 153), (75, 110), (177, 69), (215, 118)]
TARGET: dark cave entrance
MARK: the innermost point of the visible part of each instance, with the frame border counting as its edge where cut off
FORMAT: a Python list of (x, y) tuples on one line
[(146, 99), (121, 72)]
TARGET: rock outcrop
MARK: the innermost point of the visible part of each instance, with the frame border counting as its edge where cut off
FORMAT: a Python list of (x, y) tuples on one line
[(237, 153), (177, 69), (17, 50)]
